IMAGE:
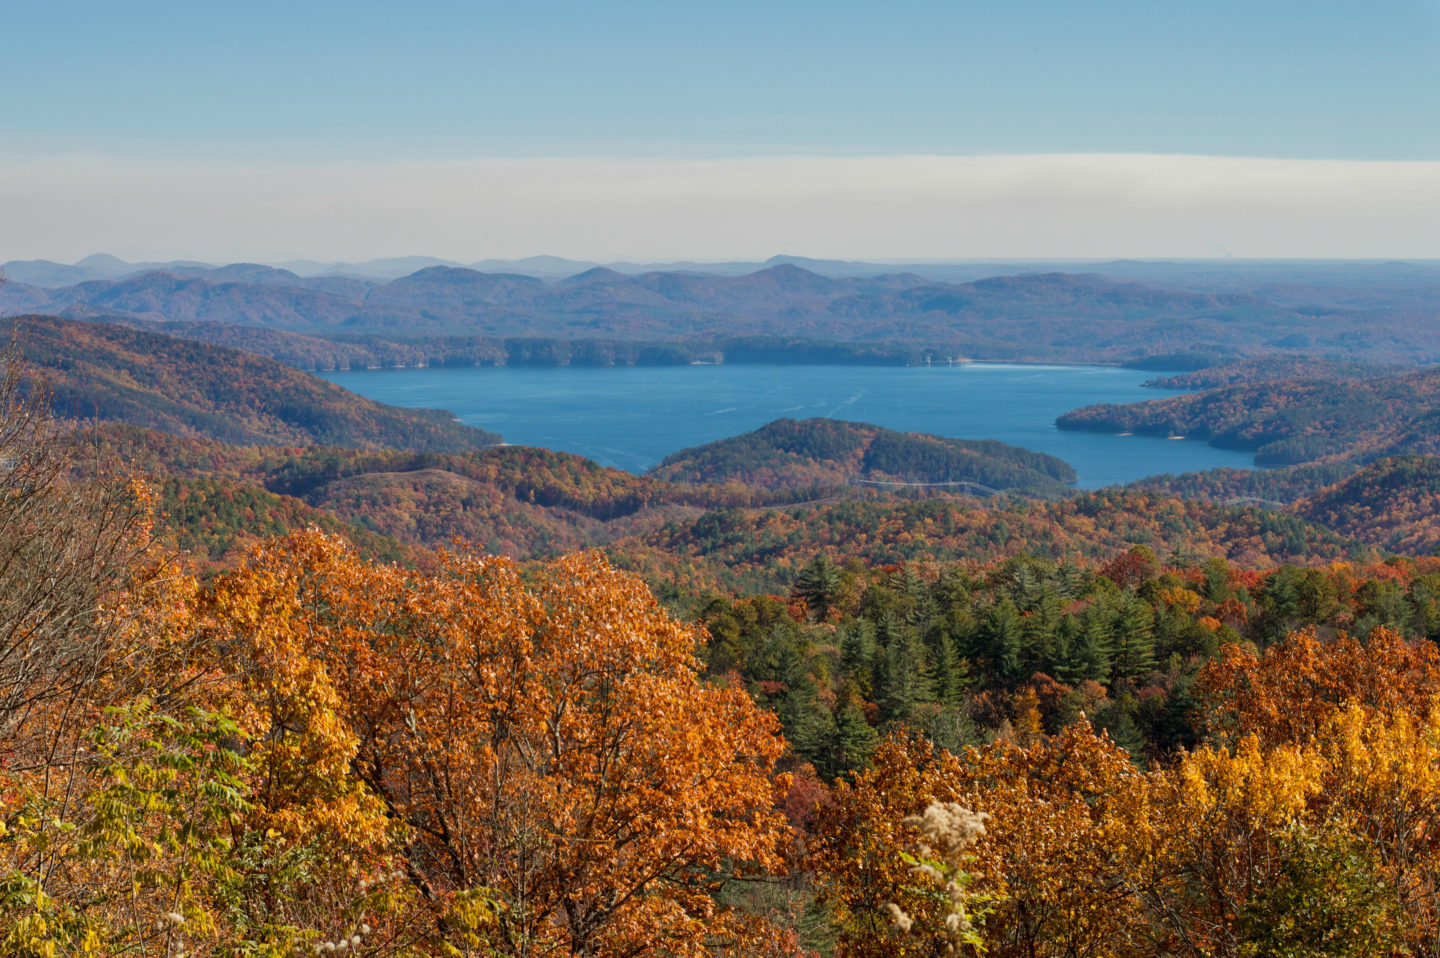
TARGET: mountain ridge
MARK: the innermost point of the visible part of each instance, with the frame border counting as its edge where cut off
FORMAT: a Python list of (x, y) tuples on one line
[(116, 373), (1035, 316), (1301, 277)]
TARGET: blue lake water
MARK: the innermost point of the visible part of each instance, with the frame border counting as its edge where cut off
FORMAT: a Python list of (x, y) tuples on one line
[(631, 417)]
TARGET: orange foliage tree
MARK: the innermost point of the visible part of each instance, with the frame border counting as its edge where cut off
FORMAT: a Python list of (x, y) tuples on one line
[(561, 779), (1289, 692)]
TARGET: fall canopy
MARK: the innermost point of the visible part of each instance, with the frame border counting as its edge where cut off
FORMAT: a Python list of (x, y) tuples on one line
[(542, 739)]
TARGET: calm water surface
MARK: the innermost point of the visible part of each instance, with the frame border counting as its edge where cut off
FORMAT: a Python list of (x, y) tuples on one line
[(631, 417)]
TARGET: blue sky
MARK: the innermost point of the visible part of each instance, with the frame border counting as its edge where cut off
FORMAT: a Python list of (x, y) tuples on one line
[(421, 80), (172, 107)]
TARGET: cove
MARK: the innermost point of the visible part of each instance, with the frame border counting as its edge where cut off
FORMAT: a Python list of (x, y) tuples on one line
[(631, 417)]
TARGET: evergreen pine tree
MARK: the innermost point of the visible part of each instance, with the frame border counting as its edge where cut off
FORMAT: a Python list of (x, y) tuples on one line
[(857, 653), (889, 627), (1168, 628), (965, 631), (907, 582), (1177, 726), (854, 740), (952, 594), (1066, 659), (1040, 628), (1282, 602), (1118, 720), (1070, 579), (925, 612), (818, 584), (1027, 585), (813, 736), (907, 680), (1217, 581), (1096, 650), (1006, 639), (1134, 640), (783, 659), (952, 673), (950, 728)]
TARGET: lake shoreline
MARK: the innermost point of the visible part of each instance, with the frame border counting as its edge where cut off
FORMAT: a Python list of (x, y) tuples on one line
[(632, 418), (344, 353), (402, 367)]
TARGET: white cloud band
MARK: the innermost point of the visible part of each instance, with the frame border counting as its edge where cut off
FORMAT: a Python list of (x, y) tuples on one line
[(888, 207)]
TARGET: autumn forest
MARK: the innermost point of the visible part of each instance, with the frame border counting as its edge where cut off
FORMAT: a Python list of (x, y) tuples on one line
[(284, 671), (719, 479)]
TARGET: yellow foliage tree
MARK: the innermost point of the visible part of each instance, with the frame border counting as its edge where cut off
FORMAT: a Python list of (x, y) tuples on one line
[(1069, 843)]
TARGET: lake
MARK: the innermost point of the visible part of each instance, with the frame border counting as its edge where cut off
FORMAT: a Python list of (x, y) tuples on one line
[(631, 417)]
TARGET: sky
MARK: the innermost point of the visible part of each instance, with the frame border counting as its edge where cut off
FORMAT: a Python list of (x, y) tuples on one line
[(646, 130)]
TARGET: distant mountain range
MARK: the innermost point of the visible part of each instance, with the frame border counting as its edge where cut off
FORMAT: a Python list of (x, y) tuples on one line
[(1036, 316), (419, 309), (46, 273), (1329, 282)]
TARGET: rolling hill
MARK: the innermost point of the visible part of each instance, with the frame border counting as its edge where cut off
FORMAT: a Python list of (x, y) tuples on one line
[(791, 453), (1393, 503), (764, 549), (514, 500), (1291, 421), (115, 373), (531, 503)]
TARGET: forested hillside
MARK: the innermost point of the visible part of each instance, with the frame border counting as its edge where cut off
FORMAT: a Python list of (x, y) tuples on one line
[(215, 521), (855, 650), (1270, 368), (764, 550), (1389, 503), (1393, 503), (310, 750), (1277, 487), (815, 452), (109, 372), (1291, 421), (322, 351), (509, 500), (529, 502)]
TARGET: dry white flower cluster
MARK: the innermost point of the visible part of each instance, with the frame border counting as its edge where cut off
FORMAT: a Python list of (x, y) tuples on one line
[(175, 948), (351, 940), (947, 831), (368, 883)]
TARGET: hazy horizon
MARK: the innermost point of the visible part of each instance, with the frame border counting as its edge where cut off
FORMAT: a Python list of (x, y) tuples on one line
[(730, 261), (896, 208)]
